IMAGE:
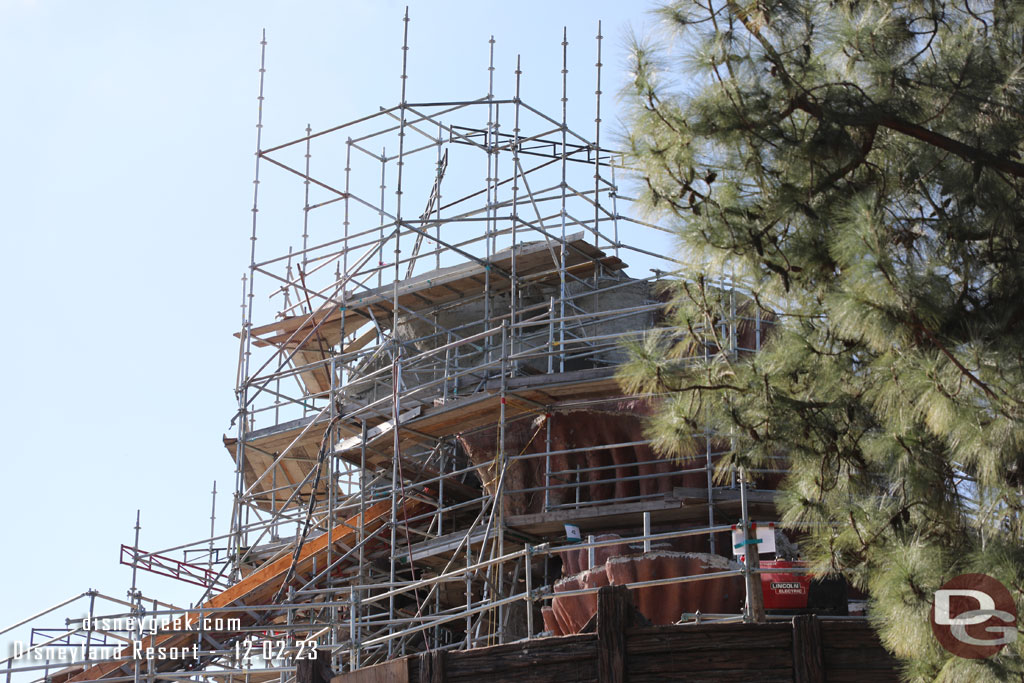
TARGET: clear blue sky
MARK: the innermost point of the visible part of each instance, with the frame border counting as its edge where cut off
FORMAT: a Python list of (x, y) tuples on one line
[(126, 153)]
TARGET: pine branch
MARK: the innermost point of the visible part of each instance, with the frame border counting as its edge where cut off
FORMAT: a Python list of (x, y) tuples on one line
[(802, 101), (913, 130), (921, 327)]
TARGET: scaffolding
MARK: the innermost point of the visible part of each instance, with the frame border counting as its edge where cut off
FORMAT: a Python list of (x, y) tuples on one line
[(427, 403)]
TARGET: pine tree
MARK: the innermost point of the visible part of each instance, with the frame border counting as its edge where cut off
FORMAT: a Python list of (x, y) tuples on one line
[(854, 168)]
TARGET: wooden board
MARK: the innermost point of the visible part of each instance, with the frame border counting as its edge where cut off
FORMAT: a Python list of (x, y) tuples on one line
[(479, 409), (533, 263), (299, 461)]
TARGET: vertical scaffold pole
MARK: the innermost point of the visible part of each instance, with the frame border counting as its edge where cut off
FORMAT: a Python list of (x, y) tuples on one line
[(647, 531), (361, 575), (135, 595), (548, 415), (503, 455), (529, 590), (242, 416), (489, 236), (396, 372), (332, 483), (597, 147), (709, 471), (513, 289), (213, 522), (241, 338), (437, 211), (562, 264), (383, 214), (615, 208), (88, 634), (345, 223), (305, 204)]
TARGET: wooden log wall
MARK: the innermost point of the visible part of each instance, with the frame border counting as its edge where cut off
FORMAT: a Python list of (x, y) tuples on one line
[(801, 651)]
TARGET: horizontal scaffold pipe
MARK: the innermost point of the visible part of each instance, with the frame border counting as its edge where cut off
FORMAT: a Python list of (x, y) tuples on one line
[(46, 611), (331, 130)]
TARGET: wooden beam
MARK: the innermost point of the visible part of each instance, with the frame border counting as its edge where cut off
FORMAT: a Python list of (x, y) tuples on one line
[(364, 339), (614, 614), (316, 670), (376, 432), (432, 667), (445, 544), (808, 658)]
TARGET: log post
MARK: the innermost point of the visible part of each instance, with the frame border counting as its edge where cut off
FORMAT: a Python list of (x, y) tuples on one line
[(315, 670), (754, 608), (432, 667), (808, 659), (614, 614)]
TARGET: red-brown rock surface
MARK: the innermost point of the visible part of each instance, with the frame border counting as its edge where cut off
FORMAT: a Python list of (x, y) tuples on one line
[(616, 423), (574, 611), (660, 604), (577, 560), (664, 604)]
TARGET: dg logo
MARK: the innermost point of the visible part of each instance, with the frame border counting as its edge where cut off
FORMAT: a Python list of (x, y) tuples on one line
[(974, 616)]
